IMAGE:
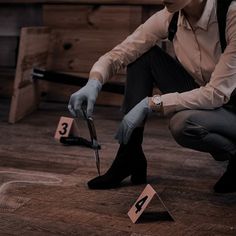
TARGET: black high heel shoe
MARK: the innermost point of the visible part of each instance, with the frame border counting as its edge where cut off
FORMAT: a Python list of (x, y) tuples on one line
[(227, 182), (130, 161)]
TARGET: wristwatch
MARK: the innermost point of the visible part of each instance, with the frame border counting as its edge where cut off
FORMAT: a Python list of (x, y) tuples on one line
[(156, 99)]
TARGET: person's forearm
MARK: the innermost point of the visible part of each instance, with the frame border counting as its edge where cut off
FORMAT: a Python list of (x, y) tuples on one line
[(135, 45)]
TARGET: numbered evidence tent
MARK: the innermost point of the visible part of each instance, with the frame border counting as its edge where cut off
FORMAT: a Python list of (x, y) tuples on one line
[(149, 207), (67, 46)]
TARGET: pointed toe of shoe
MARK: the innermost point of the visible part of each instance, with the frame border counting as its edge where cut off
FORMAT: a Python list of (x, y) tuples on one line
[(224, 188), (94, 183), (102, 182), (226, 184)]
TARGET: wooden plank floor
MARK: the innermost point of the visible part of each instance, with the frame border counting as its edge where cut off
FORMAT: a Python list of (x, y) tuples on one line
[(43, 183)]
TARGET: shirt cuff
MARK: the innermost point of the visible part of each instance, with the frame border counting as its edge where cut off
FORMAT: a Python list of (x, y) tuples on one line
[(169, 103)]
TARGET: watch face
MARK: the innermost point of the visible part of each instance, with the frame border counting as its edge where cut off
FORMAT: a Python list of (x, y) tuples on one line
[(157, 100)]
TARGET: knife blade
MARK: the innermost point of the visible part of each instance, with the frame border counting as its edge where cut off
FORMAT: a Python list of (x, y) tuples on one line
[(94, 141)]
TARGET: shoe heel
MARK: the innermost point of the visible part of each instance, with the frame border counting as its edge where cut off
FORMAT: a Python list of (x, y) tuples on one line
[(139, 177)]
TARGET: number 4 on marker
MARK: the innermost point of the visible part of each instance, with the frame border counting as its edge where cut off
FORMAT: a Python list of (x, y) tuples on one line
[(140, 205), (142, 202)]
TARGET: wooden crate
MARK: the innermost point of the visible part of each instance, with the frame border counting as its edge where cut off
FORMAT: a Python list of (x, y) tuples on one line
[(83, 33), (33, 52), (75, 37)]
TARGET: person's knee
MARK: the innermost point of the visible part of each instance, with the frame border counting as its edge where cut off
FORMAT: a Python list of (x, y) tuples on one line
[(185, 127), (177, 125)]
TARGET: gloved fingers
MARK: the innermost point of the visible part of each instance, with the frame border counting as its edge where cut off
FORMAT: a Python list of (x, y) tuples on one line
[(90, 107), (71, 105), (78, 107), (71, 110), (74, 103), (81, 113)]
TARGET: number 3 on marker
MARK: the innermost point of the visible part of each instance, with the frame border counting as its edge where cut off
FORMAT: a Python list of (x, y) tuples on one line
[(64, 128), (140, 203)]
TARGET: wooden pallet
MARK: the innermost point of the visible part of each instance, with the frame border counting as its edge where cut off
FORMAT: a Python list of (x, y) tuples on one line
[(75, 37)]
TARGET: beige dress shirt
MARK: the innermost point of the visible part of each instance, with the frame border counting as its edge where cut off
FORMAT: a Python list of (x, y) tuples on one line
[(198, 50)]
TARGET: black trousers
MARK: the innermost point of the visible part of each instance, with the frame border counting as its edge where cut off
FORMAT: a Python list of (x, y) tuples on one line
[(212, 131)]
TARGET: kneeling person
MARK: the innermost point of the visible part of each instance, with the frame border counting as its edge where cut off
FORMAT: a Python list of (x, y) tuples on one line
[(196, 88)]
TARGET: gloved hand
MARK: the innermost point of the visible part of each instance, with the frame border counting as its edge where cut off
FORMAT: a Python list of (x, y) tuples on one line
[(88, 95), (132, 119)]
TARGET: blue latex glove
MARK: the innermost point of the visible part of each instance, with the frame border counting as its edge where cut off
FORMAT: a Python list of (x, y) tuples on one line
[(131, 120), (86, 95)]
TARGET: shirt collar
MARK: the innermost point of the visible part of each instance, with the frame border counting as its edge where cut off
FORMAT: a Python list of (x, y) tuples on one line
[(203, 22)]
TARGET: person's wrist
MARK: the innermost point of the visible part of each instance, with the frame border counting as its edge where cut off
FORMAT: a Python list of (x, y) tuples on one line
[(96, 78), (95, 82), (156, 107), (151, 103)]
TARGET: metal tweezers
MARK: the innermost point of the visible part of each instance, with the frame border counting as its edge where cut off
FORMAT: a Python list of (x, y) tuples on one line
[(94, 140)]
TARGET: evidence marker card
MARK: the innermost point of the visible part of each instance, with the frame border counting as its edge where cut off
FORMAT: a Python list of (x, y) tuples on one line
[(64, 128), (142, 203)]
